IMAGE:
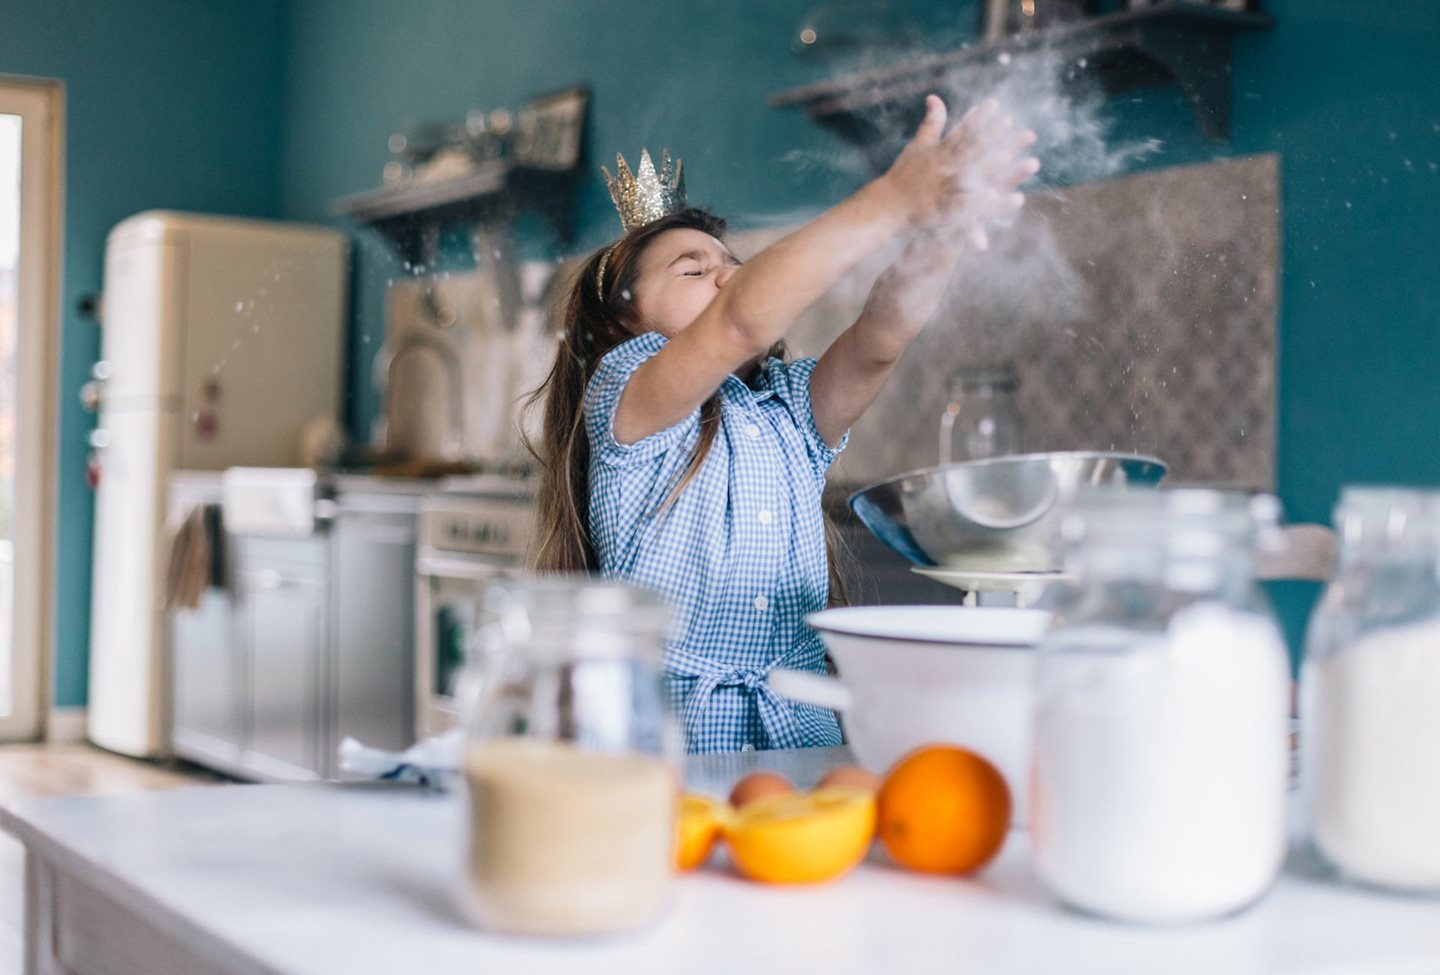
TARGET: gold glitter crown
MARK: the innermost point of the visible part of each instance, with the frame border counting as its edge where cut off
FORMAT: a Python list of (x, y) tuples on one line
[(648, 195)]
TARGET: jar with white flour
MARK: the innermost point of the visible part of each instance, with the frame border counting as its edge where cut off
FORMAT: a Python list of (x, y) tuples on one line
[(1160, 755), (1370, 685)]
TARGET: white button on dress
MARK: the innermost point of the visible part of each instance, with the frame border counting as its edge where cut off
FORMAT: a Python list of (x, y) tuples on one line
[(761, 603), (752, 430), (764, 517)]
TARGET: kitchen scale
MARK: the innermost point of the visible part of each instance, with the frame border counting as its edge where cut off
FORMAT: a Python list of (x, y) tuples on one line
[(985, 588)]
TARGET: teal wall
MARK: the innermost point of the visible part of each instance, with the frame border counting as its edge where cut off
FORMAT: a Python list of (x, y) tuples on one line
[(280, 106), (168, 103), (1349, 95), (1354, 106)]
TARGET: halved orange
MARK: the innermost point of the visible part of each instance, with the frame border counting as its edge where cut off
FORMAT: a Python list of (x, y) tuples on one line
[(803, 838), (698, 827)]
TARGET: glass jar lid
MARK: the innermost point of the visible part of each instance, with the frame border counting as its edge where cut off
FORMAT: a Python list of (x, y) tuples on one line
[(1185, 521), (1001, 378), (559, 618), (1377, 522)]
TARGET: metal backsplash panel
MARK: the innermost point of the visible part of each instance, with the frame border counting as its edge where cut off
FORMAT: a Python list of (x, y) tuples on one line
[(1139, 314)]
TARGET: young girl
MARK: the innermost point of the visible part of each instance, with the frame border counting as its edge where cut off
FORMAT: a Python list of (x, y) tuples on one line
[(681, 452)]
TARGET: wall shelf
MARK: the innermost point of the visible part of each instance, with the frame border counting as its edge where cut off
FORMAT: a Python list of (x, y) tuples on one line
[(1172, 41), (538, 173), (400, 202), (413, 217)]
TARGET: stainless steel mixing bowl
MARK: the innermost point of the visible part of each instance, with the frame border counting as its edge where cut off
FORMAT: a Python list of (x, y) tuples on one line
[(998, 515)]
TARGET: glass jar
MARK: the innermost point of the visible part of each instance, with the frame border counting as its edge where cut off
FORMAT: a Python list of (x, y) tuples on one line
[(981, 419), (1370, 694), (1160, 754), (570, 762)]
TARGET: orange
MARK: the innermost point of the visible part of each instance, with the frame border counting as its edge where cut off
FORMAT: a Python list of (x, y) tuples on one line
[(943, 809), (802, 838), (698, 827)]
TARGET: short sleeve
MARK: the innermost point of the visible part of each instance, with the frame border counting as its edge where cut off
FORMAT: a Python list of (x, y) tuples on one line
[(602, 396), (791, 383)]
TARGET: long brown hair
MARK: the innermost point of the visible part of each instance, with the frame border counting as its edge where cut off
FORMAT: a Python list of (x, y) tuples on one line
[(592, 320)]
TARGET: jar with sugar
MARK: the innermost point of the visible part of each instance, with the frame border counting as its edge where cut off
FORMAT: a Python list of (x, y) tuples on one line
[(1370, 694), (1160, 754), (571, 760)]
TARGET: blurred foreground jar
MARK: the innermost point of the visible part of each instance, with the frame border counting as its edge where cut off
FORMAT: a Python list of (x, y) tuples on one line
[(1370, 715), (1160, 752), (571, 764)]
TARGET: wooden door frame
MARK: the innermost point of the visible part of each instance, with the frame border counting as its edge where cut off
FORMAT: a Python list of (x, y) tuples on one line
[(41, 104)]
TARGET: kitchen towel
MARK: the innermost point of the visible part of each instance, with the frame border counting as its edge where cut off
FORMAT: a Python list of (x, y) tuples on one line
[(432, 762), (195, 555)]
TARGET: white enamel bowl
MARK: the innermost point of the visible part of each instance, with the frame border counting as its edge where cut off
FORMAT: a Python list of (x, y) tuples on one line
[(916, 675)]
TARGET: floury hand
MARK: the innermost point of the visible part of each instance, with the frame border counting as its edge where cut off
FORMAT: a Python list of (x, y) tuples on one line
[(994, 167)]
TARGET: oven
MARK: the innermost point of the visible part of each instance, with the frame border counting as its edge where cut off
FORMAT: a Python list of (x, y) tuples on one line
[(465, 545)]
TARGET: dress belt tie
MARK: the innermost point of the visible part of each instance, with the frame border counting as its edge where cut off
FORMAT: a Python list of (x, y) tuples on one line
[(776, 716)]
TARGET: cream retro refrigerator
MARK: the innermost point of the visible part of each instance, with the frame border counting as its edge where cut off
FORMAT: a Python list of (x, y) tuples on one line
[(221, 339)]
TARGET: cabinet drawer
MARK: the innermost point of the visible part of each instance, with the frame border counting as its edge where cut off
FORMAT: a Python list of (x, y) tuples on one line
[(284, 636), (93, 932), (307, 556)]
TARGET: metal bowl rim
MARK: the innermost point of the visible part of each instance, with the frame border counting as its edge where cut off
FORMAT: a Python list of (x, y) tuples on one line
[(988, 461)]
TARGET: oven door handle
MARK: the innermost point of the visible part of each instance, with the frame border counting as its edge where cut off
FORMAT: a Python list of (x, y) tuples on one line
[(439, 566)]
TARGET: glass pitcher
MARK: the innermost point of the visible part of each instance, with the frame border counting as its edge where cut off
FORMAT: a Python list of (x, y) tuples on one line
[(571, 762)]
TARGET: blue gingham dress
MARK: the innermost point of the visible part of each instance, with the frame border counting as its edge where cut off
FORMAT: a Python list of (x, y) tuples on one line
[(740, 554)]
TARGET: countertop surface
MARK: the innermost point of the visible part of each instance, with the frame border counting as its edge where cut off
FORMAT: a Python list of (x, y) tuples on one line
[(303, 880)]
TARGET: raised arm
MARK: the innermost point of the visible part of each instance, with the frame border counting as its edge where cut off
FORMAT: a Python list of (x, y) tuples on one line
[(852, 371), (759, 302)]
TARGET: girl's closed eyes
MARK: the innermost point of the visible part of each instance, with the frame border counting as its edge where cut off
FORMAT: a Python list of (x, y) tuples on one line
[(692, 266)]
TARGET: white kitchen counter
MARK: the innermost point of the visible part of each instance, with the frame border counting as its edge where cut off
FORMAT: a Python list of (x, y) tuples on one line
[(357, 879)]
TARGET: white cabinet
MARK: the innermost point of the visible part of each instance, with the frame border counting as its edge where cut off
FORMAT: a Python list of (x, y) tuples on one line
[(373, 583), (309, 641), (206, 718), (283, 627)]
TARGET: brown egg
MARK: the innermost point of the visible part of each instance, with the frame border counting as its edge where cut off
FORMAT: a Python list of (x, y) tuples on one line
[(758, 785), (852, 777)]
